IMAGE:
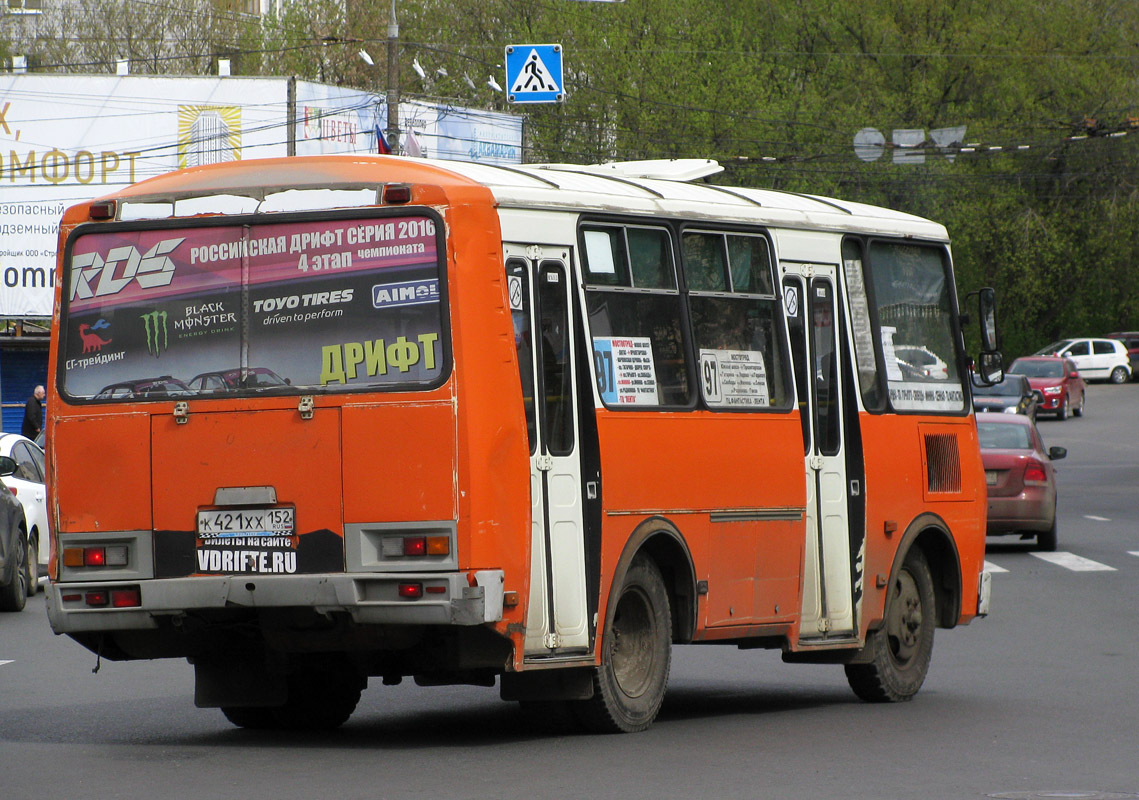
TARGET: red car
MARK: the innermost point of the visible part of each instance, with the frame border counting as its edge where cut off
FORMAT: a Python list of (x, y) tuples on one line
[(1058, 381), (1020, 477)]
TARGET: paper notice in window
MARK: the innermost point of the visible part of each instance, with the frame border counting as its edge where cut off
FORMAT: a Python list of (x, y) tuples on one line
[(626, 374), (734, 379)]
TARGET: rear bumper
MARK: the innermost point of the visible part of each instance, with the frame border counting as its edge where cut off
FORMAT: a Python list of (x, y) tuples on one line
[(368, 599), (1032, 510), (984, 593)]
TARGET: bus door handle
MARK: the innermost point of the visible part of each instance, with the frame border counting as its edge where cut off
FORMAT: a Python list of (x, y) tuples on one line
[(181, 412), (815, 462)]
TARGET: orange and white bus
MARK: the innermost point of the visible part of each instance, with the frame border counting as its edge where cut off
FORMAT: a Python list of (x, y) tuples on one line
[(319, 420)]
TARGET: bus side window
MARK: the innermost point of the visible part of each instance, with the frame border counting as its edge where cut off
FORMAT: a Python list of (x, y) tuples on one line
[(861, 326), (736, 319), (910, 292), (518, 271), (633, 304)]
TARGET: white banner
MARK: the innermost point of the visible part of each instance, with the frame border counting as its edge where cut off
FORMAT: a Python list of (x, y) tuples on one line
[(65, 139)]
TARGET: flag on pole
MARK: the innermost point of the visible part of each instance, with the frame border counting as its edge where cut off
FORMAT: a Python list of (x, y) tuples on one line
[(382, 143)]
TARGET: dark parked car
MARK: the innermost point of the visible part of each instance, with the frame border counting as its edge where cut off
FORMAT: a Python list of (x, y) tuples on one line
[(1020, 477), (1061, 388), (15, 555), (165, 386), (1013, 395), (232, 380)]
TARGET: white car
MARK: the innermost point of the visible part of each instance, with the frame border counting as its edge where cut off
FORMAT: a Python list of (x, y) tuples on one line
[(922, 360), (1096, 359), (27, 484)]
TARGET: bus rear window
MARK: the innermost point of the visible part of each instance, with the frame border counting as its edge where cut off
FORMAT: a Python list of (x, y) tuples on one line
[(302, 305)]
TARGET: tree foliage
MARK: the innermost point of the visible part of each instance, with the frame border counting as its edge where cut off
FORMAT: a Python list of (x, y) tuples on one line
[(773, 89)]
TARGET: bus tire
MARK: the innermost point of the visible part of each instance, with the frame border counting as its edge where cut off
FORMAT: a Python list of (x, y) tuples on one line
[(319, 700), (629, 686), (254, 718), (900, 650), (14, 594)]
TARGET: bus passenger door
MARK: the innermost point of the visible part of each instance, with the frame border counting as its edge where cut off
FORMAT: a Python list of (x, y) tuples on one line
[(809, 293), (540, 303)]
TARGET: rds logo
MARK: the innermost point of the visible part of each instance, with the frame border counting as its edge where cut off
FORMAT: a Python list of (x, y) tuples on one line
[(150, 270)]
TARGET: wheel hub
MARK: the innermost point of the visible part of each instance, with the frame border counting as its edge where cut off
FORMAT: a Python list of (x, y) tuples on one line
[(905, 620), (631, 643)]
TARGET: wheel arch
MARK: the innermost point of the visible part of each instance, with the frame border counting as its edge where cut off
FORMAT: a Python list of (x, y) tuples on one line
[(665, 544), (930, 534)]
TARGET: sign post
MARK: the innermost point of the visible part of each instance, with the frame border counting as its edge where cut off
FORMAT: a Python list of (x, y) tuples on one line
[(534, 73)]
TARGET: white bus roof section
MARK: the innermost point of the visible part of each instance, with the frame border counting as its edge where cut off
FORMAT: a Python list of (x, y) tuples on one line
[(669, 189), (624, 187)]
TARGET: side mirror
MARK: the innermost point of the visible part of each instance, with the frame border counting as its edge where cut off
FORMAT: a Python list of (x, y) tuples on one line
[(7, 466), (1056, 453), (987, 312), (989, 368)]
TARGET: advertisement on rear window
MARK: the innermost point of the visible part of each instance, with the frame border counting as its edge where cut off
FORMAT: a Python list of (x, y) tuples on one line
[(306, 305)]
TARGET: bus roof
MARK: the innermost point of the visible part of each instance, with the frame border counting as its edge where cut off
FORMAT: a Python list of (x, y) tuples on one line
[(663, 188)]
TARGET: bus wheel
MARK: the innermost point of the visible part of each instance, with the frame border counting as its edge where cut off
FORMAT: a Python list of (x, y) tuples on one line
[(900, 650), (254, 718), (630, 683), (319, 699)]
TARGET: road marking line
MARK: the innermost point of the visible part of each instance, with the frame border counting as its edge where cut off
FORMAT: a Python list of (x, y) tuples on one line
[(1074, 562), (1097, 519), (5, 661), (991, 567), (1133, 552)]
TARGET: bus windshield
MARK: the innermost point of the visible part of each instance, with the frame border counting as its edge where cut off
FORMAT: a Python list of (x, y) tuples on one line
[(297, 306)]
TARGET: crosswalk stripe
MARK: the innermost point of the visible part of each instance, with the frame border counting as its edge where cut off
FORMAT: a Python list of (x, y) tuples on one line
[(1074, 562), (991, 567)]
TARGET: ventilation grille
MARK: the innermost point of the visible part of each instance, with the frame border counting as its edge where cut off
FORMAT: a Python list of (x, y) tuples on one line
[(943, 462)]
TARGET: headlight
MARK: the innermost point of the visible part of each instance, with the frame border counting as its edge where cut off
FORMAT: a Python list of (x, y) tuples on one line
[(1053, 389)]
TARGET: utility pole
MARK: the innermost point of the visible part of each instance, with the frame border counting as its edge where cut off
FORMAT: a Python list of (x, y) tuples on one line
[(393, 83)]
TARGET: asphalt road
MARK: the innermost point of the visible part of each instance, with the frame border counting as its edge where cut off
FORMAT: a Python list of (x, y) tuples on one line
[(1037, 700)]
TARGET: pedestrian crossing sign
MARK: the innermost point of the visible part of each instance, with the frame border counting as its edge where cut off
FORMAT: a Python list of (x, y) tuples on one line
[(534, 73)]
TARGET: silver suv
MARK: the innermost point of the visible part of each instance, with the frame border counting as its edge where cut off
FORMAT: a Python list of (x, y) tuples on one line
[(1096, 359)]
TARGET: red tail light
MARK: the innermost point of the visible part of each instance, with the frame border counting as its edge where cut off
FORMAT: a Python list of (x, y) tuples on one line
[(1034, 472), (411, 591), (126, 598)]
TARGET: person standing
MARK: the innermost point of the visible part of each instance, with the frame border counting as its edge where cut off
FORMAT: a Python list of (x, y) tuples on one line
[(34, 414)]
